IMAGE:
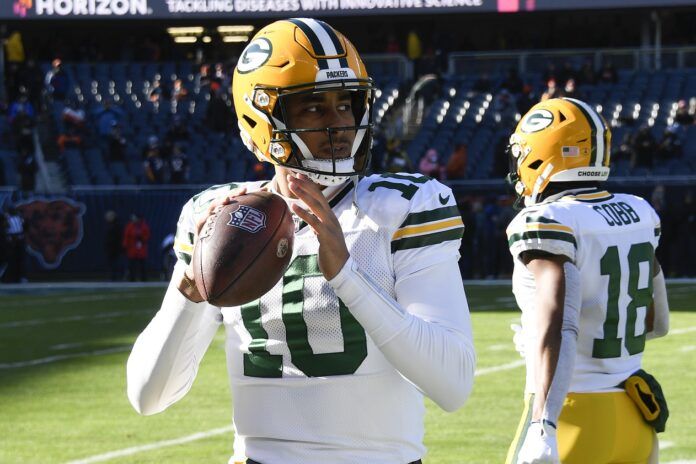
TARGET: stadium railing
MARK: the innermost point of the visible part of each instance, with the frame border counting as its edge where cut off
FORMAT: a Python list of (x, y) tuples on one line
[(536, 60)]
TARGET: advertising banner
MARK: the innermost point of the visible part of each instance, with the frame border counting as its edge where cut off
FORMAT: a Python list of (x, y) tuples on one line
[(239, 9)]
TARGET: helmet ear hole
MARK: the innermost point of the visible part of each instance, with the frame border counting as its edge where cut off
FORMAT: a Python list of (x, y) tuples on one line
[(535, 164), (561, 116)]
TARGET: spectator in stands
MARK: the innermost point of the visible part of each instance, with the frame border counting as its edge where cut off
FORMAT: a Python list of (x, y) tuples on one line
[(22, 119), (504, 108), (456, 164), (106, 116), (643, 148), (392, 44), (135, 242), (682, 116), (587, 75), (670, 146), (116, 143), (113, 244), (258, 172), (16, 247), (567, 72), (552, 91), (512, 83), (414, 49), (570, 91), (74, 129), (57, 81), (178, 166), (27, 171), (624, 150), (608, 74), (218, 113), (550, 73), (160, 91), (177, 133), (179, 92), (397, 160), (430, 165), (154, 166), (482, 84), (526, 99)]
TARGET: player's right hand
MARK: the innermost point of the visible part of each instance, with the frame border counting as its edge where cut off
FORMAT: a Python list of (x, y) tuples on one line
[(540, 445)]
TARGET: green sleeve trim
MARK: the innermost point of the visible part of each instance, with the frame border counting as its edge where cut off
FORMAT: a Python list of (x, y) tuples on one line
[(427, 239), (430, 216), (542, 235)]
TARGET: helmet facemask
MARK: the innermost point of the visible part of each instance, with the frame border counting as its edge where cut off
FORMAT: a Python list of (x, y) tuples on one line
[(344, 151)]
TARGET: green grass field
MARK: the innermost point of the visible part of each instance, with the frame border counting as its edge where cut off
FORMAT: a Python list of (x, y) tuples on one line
[(62, 385)]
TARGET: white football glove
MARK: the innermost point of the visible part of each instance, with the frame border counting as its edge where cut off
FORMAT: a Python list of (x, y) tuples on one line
[(540, 446), (518, 339)]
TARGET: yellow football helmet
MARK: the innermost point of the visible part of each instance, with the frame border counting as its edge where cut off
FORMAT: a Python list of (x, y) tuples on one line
[(299, 56), (558, 140)]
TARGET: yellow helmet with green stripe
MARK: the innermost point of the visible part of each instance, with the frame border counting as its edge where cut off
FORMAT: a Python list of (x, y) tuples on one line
[(558, 140), (301, 56)]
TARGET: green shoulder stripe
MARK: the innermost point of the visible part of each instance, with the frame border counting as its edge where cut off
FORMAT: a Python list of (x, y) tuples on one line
[(205, 198), (430, 216), (541, 219), (427, 239), (184, 256), (542, 235)]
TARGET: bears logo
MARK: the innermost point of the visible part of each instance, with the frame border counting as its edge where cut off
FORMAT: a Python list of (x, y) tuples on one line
[(52, 228)]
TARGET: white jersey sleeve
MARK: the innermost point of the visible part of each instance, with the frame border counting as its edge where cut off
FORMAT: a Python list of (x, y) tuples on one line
[(425, 332)]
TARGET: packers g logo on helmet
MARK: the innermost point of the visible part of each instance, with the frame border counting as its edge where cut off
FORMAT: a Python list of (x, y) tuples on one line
[(255, 55), (293, 57), (558, 140)]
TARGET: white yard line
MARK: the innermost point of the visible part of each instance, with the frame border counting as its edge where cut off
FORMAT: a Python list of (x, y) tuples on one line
[(61, 357), (53, 320), (502, 367), (152, 446), (27, 302), (681, 331)]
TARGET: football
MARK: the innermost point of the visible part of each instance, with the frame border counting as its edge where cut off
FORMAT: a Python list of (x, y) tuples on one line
[(243, 249)]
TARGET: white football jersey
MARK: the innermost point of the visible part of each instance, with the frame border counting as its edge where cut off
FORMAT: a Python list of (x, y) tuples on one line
[(297, 355), (611, 238)]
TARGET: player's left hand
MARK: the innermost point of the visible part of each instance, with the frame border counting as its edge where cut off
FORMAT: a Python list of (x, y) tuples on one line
[(540, 445), (333, 252)]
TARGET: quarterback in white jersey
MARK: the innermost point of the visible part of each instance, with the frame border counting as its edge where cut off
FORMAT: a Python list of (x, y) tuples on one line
[(331, 365), (585, 277)]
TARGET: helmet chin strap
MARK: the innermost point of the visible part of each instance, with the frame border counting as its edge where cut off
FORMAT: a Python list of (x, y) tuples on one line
[(343, 166)]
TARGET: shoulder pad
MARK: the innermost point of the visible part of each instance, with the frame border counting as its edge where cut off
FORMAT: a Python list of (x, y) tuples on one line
[(548, 227), (420, 210)]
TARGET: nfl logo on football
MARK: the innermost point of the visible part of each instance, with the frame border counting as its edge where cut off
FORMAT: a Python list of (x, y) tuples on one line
[(250, 219)]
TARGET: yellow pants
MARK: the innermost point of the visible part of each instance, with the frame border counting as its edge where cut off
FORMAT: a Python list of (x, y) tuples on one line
[(596, 428)]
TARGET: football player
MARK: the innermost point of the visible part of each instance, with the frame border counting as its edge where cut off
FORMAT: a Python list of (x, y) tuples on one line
[(332, 364), (590, 291)]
